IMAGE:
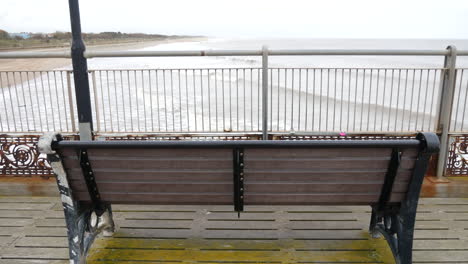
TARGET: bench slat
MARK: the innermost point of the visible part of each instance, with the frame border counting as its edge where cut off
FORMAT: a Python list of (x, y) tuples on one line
[(318, 198), (162, 198)]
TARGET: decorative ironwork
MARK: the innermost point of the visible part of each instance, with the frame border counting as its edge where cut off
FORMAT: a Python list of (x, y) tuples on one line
[(457, 161), (19, 156)]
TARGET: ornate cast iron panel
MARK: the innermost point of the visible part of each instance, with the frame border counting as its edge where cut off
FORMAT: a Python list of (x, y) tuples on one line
[(19, 156), (456, 164)]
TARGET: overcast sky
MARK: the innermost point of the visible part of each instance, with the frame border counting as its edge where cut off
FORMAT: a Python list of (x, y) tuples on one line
[(445, 19)]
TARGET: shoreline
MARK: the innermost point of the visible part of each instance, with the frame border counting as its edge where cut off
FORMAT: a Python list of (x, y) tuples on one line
[(45, 64)]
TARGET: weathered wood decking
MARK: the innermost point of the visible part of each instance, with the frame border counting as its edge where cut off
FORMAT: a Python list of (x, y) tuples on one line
[(32, 230)]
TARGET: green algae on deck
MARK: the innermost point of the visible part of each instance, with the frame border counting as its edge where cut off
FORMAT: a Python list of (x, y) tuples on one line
[(128, 250)]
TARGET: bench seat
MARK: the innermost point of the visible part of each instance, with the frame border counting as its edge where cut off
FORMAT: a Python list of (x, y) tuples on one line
[(384, 174)]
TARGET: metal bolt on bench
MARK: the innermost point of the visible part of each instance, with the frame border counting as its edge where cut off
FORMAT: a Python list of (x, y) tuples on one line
[(385, 174)]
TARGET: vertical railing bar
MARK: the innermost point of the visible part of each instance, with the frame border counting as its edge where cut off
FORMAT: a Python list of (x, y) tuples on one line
[(237, 98), (362, 97), (265, 92), (270, 116), (292, 100), (440, 95), (465, 104), (123, 101), (259, 102), (11, 102), (33, 113), (245, 99), (224, 99), (419, 99), (64, 101), (278, 101), (411, 100), (432, 100), (18, 105), (230, 101), (208, 78), (158, 113), (320, 101), (285, 97), (180, 100), (137, 103), (96, 104), (299, 100), (5, 111), (24, 100), (404, 100), (216, 99), (376, 99), (391, 99), (370, 98), (341, 98), (37, 99), (307, 98), (355, 99), (4, 103), (116, 102), (165, 100), (251, 101), (195, 100), (129, 100), (109, 103), (327, 99), (397, 98), (383, 99), (313, 99), (425, 100), (151, 100), (43, 100), (334, 100), (187, 100), (172, 100), (62, 116), (202, 103), (458, 99), (50, 99), (349, 99), (101, 87)]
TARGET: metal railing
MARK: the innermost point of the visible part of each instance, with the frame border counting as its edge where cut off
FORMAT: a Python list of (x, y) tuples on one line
[(302, 100), (36, 101)]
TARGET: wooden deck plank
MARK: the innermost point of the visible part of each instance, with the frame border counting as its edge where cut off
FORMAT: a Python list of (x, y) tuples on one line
[(32, 230)]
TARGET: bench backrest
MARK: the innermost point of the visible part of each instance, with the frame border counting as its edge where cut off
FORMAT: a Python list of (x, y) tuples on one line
[(259, 172)]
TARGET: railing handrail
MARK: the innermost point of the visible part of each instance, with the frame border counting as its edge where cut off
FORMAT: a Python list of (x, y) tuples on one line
[(213, 53)]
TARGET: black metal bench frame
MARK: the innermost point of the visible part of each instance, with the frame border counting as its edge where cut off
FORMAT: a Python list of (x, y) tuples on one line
[(394, 221)]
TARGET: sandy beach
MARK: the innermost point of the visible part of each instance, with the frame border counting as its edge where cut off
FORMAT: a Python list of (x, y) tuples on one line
[(53, 63)]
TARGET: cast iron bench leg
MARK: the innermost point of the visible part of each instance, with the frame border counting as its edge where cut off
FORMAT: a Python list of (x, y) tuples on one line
[(83, 225), (397, 227)]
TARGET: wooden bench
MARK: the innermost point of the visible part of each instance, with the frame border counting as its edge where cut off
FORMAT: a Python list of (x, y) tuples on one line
[(385, 174)]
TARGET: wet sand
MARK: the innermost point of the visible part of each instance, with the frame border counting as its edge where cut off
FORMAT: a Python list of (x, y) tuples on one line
[(54, 63)]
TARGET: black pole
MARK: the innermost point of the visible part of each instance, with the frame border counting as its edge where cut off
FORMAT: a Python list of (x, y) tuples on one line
[(80, 74)]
